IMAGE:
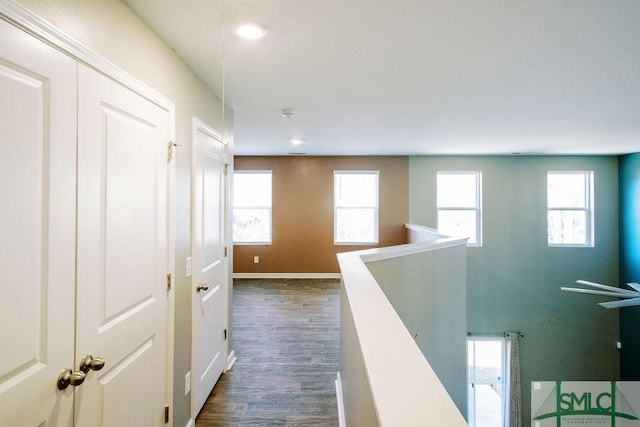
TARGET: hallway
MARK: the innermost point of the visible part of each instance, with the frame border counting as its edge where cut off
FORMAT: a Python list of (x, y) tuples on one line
[(287, 344)]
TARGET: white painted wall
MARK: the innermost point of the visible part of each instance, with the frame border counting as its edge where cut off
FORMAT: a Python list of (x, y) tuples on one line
[(112, 30)]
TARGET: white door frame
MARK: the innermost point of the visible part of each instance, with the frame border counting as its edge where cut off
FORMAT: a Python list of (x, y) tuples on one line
[(43, 30)]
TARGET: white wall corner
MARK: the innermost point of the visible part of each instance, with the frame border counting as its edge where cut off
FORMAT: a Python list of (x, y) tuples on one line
[(231, 359), (341, 419)]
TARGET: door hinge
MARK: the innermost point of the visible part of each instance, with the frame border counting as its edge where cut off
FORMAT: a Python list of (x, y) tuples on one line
[(226, 168), (226, 251), (225, 334), (166, 414), (169, 281), (170, 146)]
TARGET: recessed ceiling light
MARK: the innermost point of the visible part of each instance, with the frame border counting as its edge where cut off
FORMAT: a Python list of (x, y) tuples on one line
[(251, 31)]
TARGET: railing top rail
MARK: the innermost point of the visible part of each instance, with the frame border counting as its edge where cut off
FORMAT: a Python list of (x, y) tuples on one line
[(378, 254)]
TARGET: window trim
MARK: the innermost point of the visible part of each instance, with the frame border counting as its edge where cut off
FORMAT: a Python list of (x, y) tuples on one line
[(270, 207), (589, 209), (477, 208), (376, 208)]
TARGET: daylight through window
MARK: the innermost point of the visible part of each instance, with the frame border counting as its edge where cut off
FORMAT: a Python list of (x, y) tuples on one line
[(459, 205), (355, 207), (486, 381), (570, 208), (252, 207)]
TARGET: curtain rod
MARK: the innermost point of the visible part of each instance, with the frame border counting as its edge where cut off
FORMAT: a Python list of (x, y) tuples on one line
[(493, 334)]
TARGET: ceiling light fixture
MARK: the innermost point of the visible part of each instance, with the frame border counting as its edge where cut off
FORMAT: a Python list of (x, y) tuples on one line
[(251, 31), (295, 141), (287, 113)]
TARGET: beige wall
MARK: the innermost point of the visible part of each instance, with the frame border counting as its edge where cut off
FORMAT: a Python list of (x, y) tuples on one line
[(303, 211), (111, 29)]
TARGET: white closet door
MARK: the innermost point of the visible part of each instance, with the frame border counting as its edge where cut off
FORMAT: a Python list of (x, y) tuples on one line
[(122, 253), (37, 229), (209, 266)]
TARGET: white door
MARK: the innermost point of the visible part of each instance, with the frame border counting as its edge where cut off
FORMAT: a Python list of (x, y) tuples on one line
[(122, 253), (209, 278), (37, 229)]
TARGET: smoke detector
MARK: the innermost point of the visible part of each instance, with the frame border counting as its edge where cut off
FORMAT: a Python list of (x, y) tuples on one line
[(287, 113)]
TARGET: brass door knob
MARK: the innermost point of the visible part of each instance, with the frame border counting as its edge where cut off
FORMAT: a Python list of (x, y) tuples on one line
[(202, 287), (90, 363), (67, 377)]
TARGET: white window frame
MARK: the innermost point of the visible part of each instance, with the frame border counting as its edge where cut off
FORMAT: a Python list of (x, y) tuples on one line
[(270, 207), (478, 203), (503, 380), (376, 207), (588, 209)]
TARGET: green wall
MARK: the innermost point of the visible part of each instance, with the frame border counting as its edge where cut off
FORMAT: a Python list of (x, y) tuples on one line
[(514, 279)]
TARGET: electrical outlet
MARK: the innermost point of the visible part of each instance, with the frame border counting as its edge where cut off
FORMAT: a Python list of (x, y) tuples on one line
[(256, 259), (187, 383)]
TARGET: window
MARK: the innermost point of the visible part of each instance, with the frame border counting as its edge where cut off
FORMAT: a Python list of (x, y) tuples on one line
[(355, 196), (486, 385), (570, 208), (459, 205), (252, 207)]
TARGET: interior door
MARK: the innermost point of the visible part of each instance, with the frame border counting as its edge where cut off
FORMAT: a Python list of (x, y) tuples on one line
[(209, 269), (122, 253), (37, 229)]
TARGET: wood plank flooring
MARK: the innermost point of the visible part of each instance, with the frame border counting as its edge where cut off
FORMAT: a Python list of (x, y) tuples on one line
[(287, 344)]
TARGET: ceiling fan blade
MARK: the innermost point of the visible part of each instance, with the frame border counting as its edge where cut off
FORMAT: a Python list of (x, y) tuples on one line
[(634, 286), (625, 292), (621, 303), (594, 292)]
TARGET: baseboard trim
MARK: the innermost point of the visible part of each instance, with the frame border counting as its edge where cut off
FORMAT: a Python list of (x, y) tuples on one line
[(231, 359), (341, 419), (286, 275)]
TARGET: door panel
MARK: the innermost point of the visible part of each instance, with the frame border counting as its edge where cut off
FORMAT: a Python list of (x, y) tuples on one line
[(209, 309), (122, 252), (37, 230), (130, 222), (212, 177), (124, 398)]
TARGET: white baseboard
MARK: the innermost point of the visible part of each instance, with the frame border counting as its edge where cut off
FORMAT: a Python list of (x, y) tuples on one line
[(286, 275), (191, 423), (231, 359), (341, 419)]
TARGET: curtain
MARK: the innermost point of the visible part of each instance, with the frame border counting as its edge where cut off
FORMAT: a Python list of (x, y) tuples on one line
[(513, 407)]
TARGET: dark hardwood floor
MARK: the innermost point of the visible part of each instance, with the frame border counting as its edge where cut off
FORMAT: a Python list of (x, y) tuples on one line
[(287, 344)]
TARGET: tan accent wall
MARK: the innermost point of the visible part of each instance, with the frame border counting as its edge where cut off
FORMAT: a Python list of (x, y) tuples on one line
[(303, 211)]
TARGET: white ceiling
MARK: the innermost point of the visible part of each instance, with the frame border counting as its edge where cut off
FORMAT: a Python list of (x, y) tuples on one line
[(418, 76)]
